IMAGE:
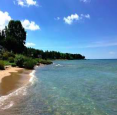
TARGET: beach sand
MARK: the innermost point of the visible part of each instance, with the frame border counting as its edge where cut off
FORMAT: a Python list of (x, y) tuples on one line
[(8, 71), (13, 78)]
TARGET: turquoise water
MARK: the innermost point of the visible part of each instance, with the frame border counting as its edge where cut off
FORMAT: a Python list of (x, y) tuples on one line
[(85, 87)]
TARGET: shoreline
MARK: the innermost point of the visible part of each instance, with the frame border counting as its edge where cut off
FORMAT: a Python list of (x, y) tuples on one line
[(8, 71), (13, 78)]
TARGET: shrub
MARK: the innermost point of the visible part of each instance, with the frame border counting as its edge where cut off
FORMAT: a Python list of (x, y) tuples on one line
[(19, 60), (47, 62), (29, 63), (11, 59), (11, 54), (13, 65), (36, 60), (5, 56), (1, 65)]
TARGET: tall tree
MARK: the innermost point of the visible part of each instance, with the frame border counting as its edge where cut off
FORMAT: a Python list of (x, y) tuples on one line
[(2, 37), (15, 37)]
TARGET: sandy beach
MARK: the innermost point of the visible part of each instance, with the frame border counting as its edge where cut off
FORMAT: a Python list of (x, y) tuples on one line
[(13, 78), (8, 71)]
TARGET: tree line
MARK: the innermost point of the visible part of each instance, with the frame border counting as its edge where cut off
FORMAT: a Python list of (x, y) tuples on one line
[(13, 39)]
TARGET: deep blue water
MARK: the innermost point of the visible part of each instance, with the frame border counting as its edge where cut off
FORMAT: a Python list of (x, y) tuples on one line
[(84, 87)]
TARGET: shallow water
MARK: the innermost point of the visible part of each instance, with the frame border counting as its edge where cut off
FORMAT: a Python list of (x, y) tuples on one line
[(84, 87)]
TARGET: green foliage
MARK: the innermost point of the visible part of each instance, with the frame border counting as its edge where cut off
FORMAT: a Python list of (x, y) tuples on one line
[(29, 63), (34, 53), (13, 65), (11, 59), (2, 65), (14, 37), (2, 37), (11, 54), (25, 62), (6, 63), (19, 60), (47, 62), (5, 56)]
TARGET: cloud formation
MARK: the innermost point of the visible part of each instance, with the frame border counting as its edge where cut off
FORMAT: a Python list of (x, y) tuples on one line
[(30, 45), (58, 18), (85, 16), (4, 19), (69, 20), (75, 17), (27, 3), (30, 25), (85, 1)]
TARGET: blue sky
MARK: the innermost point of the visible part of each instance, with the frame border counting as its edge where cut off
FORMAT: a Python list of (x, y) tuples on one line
[(88, 27)]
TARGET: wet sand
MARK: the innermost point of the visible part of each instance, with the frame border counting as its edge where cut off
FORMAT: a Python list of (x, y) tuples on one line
[(12, 79), (8, 71)]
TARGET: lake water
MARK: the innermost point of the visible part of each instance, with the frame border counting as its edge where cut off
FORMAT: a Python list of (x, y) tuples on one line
[(84, 87)]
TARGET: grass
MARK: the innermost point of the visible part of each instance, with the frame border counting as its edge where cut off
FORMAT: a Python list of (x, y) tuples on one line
[(2, 65), (6, 63)]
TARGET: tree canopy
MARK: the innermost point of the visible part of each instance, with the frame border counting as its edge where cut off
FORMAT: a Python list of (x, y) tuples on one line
[(13, 38)]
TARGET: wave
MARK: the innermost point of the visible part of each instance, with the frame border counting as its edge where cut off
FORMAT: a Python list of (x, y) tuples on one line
[(22, 91), (8, 106), (32, 77), (4, 100), (58, 65)]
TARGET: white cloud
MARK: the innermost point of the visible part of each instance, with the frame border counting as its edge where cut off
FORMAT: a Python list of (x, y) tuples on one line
[(112, 53), (85, 1), (85, 16), (30, 25), (75, 17), (69, 20), (4, 19), (58, 18), (27, 3), (30, 45)]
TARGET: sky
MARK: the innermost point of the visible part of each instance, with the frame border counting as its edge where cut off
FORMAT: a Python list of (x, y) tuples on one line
[(88, 27)]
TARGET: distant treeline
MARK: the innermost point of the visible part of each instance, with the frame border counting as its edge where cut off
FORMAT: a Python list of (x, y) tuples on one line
[(51, 54), (13, 38)]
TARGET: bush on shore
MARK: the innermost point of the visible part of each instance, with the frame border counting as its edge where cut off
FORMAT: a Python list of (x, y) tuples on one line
[(13, 65), (22, 61), (19, 60), (1, 65), (47, 62), (6, 55), (11, 59), (29, 63)]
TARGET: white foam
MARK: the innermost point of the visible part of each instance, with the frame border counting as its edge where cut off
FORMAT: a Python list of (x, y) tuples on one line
[(8, 106), (32, 74), (4, 100), (58, 65)]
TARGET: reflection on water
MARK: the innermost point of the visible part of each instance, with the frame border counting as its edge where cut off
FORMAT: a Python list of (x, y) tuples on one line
[(86, 87)]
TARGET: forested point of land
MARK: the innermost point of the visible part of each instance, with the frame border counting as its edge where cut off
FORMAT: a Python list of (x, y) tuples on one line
[(13, 39)]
